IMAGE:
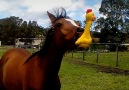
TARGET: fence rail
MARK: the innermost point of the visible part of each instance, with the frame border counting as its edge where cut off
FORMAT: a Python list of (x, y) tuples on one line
[(97, 54), (101, 55)]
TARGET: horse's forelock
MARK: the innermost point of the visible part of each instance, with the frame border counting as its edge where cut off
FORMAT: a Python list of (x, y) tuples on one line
[(60, 13)]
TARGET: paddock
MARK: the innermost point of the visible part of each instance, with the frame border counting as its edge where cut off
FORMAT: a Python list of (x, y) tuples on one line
[(76, 74)]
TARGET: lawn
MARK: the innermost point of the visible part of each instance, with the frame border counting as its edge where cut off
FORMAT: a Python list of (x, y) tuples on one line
[(107, 59), (75, 76), (5, 48)]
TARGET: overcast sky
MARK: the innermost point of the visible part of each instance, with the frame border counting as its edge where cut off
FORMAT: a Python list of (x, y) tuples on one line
[(36, 9)]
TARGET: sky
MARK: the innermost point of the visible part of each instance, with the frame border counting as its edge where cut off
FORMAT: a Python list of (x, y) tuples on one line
[(35, 10)]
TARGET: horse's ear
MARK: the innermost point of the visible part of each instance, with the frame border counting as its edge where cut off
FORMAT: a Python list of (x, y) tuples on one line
[(51, 16)]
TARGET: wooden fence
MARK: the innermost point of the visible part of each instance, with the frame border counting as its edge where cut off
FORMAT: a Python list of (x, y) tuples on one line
[(102, 55)]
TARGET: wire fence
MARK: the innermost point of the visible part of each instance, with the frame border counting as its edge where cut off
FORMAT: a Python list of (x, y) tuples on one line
[(4, 48), (97, 54), (100, 54)]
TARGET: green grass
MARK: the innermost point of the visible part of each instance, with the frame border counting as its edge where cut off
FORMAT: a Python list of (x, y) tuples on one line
[(78, 76), (107, 59), (85, 77), (5, 48)]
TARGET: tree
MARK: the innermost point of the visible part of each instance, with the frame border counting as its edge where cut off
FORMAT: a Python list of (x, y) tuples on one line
[(117, 11), (23, 30), (14, 27), (114, 28), (9, 29)]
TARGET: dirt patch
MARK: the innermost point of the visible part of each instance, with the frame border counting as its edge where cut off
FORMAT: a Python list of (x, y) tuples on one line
[(113, 70), (100, 68)]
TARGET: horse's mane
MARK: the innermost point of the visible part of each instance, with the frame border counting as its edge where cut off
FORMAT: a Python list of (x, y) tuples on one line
[(45, 46), (47, 42), (59, 13)]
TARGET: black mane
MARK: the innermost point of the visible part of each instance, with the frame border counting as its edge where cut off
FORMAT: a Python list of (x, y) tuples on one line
[(59, 13), (47, 41), (45, 46)]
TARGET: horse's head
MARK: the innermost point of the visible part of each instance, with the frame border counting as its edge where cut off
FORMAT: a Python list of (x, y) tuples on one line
[(65, 30)]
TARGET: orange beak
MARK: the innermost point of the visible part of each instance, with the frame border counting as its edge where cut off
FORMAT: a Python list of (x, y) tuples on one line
[(93, 18)]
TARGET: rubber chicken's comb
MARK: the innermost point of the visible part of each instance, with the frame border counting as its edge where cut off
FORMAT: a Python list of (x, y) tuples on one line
[(89, 10)]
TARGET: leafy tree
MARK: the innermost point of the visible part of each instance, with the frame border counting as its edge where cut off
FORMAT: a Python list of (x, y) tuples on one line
[(9, 29), (14, 27), (114, 28), (23, 30), (117, 12)]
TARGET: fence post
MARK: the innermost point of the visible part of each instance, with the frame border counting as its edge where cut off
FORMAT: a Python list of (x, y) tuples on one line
[(66, 53), (97, 58), (72, 53), (83, 55), (33, 49), (117, 55)]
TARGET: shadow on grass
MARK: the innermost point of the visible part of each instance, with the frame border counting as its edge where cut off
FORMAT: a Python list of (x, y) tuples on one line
[(101, 68)]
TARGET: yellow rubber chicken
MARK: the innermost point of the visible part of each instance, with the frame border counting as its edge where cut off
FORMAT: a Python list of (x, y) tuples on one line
[(85, 40)]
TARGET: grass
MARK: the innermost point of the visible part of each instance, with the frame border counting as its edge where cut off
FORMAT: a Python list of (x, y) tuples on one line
[(5, 48), (107, 59), (85, 77), (80, 76)]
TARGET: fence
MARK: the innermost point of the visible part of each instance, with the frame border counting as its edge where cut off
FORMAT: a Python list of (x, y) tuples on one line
[(99, 53), (32, 49)]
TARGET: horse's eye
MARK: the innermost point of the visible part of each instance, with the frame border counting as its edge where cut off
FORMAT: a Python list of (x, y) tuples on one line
[(59, 24)]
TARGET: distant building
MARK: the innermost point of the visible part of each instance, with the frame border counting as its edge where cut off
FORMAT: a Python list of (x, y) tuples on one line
[(36, 42)]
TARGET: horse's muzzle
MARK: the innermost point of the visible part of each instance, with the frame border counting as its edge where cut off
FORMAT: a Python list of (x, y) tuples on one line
[(80, 30)]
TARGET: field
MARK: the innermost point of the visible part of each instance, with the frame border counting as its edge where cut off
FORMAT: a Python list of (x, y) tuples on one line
[(78, 74), (106, 59)]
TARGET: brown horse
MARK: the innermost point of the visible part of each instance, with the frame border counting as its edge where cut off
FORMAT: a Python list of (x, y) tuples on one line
[(20, 70)]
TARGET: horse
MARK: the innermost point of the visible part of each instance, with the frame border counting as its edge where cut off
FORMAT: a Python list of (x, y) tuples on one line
[(20, 70)]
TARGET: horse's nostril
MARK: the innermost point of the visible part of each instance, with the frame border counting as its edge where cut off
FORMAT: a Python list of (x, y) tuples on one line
[(80, 29)]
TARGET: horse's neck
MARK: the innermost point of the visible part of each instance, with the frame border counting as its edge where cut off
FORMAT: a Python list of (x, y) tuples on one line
[(53, 58)]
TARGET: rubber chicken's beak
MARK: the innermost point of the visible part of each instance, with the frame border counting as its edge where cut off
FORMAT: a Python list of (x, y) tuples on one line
[(93, 18)]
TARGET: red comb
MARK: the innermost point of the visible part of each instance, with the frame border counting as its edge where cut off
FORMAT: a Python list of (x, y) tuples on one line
[(89, 10)]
